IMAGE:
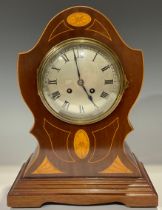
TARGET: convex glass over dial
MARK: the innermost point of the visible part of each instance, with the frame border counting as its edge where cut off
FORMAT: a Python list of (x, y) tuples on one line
[(80, 81)]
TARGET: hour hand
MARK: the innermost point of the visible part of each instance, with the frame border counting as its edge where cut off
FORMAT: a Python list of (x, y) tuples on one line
[(89, 96)]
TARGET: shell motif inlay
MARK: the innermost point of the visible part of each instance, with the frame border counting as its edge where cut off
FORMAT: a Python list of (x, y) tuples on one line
[(81, 144), (78, 19)]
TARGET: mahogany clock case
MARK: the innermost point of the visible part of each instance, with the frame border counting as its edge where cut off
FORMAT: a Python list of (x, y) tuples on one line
[(81, 164)]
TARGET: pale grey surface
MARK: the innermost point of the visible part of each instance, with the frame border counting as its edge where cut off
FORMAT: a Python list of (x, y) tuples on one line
[(140, 25)]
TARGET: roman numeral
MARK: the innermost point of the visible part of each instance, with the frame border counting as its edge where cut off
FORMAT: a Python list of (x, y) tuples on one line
[(104, 94), (95, 56), (81, 108), (57, 69), (52, 82), (64, 56), (106, 67), (65, 105), (109, 81), (56, 95)]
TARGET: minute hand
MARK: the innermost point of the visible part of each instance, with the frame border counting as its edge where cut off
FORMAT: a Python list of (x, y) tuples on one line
[(75, 58)]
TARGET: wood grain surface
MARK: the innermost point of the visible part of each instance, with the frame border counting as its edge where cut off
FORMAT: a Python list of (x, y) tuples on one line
[(81, 164)]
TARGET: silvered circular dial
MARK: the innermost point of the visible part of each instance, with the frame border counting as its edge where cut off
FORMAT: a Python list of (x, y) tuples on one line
[(80, 81)]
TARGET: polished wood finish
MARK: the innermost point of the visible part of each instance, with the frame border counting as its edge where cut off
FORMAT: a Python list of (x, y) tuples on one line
[(81, 164), (131, 191), (56, 138)]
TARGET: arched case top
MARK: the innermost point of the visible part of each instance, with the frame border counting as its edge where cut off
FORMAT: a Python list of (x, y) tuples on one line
[(76, 22)]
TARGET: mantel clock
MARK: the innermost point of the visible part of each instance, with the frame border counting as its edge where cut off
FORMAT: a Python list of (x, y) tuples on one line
[(80, 82)]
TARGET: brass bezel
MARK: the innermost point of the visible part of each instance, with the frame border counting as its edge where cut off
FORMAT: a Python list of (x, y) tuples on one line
[(79, 40)]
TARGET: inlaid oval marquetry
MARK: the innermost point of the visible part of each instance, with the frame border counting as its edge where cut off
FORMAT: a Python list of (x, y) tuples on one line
[(78, 19), (81, 144)]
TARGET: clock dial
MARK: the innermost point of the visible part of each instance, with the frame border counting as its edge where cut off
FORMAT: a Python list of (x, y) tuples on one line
[(80, 81)]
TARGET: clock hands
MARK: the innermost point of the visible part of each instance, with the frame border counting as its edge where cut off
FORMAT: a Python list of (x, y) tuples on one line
[(81, 81), (75, 58), (89, 96)]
